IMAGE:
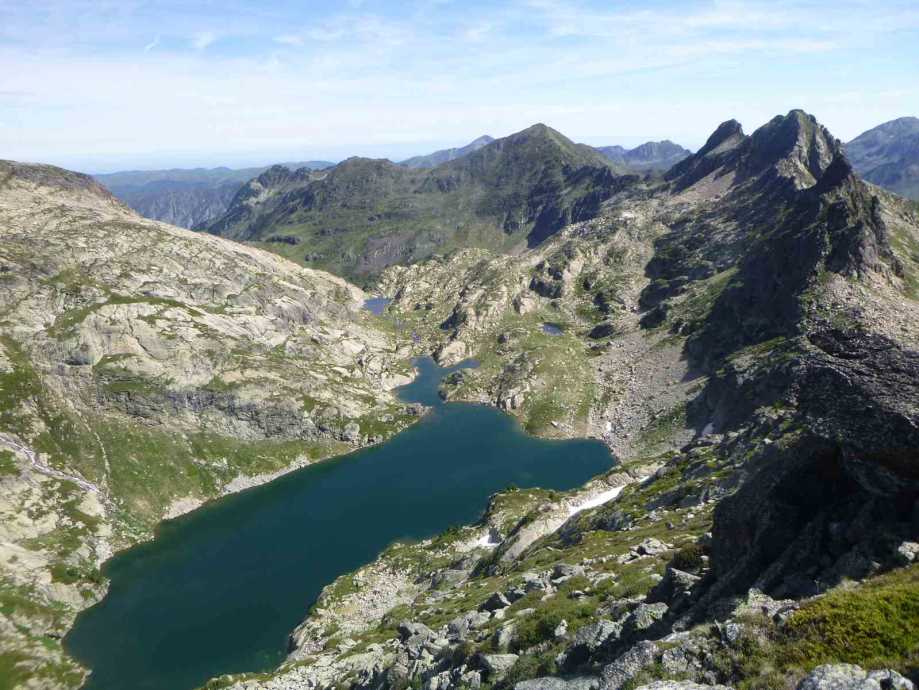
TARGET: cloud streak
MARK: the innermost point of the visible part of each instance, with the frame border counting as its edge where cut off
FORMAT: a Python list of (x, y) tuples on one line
[(203, 39), (364, 76)]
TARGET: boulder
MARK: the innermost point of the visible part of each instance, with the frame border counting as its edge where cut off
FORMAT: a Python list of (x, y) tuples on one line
[(408, 629), (566, 570), (907, 552), (495, 602), (497, 664), (851, 677), (352, 433), (628, 665), (680, 685), (505, 635), (581, 683), (449, 353), (673, 589), (644, 616), (589, 640), (449, 578), (524, 304), (459, 627), (688, 658), (652, 547)]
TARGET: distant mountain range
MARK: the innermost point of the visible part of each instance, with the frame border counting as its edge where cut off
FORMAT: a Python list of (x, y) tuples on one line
[(363, 214), (888, 156), (185, 197), (652, 155), (446, 155)]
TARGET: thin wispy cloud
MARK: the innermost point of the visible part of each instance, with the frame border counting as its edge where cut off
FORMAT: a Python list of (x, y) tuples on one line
[(361, 76), (477, 33), (203, 39)]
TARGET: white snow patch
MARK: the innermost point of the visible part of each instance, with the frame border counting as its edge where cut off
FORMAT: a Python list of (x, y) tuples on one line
[(598, 500)]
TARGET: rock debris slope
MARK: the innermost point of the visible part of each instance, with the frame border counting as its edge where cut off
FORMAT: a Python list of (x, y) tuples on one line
[(743, 334), (143, 369)]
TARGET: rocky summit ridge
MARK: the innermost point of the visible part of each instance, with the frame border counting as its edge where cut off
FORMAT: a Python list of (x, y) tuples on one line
[(743, 334)]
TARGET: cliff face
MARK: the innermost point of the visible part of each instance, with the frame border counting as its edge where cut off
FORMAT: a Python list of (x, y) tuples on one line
[(743, 334), (183, 208), (186, 197), (143, 369)]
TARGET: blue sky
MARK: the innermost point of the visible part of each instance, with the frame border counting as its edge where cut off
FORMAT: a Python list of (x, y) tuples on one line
[(102, 86)]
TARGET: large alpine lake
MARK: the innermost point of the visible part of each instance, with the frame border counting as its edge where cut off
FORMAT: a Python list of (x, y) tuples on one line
[(219, 590)]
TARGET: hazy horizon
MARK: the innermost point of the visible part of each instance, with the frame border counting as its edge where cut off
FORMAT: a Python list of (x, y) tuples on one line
[(115, 86)]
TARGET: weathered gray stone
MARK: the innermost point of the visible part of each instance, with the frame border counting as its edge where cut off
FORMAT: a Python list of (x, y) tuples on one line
[(644, 616), (907, 552), (505, 635), (449, 577), (628, 665), (680, 685), (851, 677), (494, 602), (580, 683), (497, 664), (459, 627), (408, 629)]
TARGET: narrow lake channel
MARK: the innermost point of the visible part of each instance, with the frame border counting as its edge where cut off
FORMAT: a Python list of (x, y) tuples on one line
[(219, 590)]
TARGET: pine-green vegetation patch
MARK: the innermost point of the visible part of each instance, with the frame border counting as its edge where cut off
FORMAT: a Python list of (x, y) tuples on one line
[(8, 467), (874, 625)]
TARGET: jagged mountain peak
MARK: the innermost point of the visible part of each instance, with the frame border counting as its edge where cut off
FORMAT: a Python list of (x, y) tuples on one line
[(730, 129), (793, 146), (796, 144)]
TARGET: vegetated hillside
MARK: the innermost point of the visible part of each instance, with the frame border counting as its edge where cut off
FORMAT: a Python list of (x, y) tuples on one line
[(743, 334), (888, 155), (185, 197), (143, 369), (363, 215), (652, 155), (432, 160)]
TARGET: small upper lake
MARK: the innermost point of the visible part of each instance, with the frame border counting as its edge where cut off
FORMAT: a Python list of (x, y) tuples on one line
[(376, 305), (221, 588), (552, 329)]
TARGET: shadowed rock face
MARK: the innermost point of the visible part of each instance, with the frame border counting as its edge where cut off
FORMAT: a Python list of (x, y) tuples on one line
[(186, 198), (850, 477)]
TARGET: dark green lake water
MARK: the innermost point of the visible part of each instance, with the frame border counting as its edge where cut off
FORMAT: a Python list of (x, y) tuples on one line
[(220, 589)]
